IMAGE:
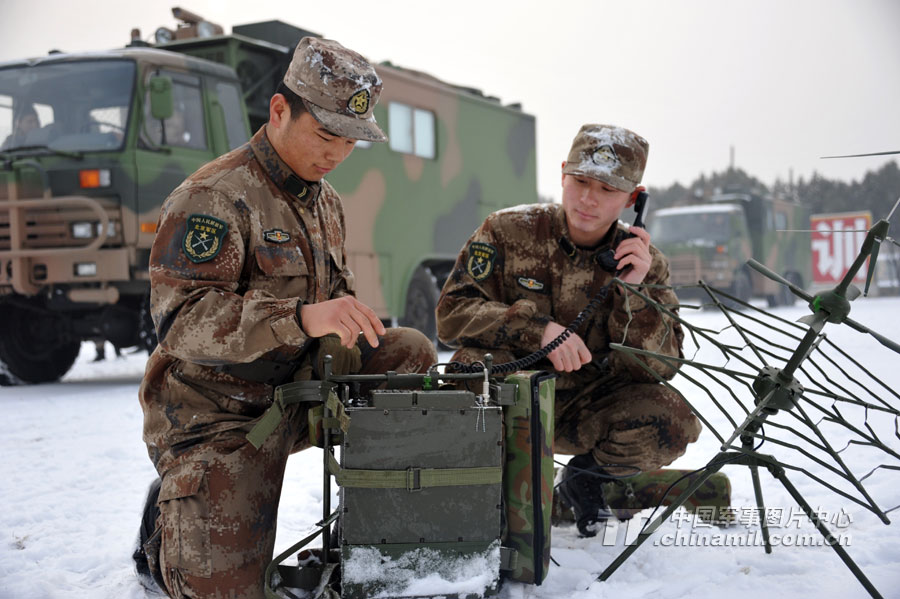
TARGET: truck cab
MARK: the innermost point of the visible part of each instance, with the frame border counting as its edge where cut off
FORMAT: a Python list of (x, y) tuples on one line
[(712, 242), (81, 190)]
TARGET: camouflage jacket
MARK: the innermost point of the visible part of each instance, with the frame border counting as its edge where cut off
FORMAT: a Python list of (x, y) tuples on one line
[(521, 270), (238, 243)]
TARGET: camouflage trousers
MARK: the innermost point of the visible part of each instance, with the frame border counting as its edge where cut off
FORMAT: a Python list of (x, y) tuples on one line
[(219, 495), (635, 425)]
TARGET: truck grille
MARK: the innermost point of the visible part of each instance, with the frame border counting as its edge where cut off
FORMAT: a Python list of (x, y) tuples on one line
[(52, 226), (684, 269)]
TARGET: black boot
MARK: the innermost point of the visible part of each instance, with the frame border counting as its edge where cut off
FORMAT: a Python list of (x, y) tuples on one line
[(146, 555), (582, 489)]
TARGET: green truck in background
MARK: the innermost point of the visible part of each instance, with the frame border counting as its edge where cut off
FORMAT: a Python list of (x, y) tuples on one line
[(713, 241), (93, 143)]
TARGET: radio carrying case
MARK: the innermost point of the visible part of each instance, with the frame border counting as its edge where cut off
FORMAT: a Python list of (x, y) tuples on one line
[(441, 490)]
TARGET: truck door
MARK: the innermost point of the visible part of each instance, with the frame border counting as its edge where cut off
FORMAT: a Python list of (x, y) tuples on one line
[(173, 148), (227, 118)]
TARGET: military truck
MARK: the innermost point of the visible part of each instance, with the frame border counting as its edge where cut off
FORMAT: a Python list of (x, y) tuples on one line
[(712, 242), (94, 142)]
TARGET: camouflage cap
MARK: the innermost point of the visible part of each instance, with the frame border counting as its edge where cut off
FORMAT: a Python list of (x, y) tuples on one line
[(610, 154), (338, 87)]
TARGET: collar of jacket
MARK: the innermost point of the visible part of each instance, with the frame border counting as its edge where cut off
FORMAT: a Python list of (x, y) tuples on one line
[(280, 173), (575, 252)]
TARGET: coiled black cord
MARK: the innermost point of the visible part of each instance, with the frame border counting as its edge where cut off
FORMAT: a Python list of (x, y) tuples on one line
[(537, 356)]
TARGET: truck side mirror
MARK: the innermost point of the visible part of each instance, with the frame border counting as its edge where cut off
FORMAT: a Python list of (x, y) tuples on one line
[(161, 103)]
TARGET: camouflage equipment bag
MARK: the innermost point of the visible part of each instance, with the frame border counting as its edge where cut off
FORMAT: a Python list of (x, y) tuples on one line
[(528, 476)]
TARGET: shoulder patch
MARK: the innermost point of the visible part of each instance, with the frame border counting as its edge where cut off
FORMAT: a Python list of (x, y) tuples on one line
[(530, 284), (276, 236), (480, 264), (203, 237)]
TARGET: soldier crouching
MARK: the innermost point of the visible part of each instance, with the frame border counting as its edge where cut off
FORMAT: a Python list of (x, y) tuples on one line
[(528, 269), (249, 290)]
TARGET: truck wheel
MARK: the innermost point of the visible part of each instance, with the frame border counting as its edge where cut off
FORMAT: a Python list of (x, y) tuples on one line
[(742, 289), (421, 300), (34, 347)]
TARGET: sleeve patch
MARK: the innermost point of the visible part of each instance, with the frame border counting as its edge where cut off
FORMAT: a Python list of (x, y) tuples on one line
[(203, 237), (481, 260)]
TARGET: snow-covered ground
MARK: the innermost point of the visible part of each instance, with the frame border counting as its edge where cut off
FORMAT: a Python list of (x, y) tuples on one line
[(73, 474)]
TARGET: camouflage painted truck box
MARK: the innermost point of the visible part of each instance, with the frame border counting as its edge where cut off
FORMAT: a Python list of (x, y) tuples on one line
[(712, 243), (115, 131)]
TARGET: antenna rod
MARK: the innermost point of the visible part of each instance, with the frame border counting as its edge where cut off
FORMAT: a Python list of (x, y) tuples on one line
[(861, 155), (893, 209)]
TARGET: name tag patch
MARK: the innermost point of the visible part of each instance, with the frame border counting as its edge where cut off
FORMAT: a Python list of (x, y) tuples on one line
[(276, 236), (530, 284)]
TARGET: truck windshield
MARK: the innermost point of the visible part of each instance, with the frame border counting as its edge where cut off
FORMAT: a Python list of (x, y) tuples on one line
[(697, 228), (67, 106)]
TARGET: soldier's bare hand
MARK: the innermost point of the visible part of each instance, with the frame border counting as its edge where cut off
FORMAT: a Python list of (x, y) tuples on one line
[(634, 257), (346, 317), (571, 355)]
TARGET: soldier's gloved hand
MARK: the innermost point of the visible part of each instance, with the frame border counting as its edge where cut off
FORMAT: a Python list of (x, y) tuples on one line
[(344, 360)]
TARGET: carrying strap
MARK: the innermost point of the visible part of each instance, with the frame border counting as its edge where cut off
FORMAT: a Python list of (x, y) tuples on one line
[(414, 479), (270, 372), (291, 394)]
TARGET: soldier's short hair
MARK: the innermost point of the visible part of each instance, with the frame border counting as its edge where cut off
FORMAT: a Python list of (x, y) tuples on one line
[(295, 103)]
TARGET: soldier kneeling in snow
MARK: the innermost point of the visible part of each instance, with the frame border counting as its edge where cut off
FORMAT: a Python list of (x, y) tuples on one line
[(528, 271), (248, 277)]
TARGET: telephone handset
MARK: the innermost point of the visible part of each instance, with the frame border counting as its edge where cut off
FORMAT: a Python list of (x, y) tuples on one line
[(606, 259)]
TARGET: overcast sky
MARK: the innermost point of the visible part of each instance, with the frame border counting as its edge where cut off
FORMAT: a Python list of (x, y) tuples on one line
[(783, 82)]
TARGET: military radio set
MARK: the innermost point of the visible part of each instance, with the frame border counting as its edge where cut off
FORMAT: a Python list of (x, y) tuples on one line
[(437, 484)]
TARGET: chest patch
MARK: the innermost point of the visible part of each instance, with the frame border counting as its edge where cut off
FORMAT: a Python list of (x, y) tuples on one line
[(203, 237), (530, 284), (276, 236), (481, 260)]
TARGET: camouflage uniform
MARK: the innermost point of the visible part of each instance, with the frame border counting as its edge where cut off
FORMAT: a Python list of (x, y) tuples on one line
[(521, 270), (239, 243)]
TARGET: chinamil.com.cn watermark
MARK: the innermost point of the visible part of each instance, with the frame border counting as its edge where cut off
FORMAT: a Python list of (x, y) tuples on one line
[(732, 527)]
